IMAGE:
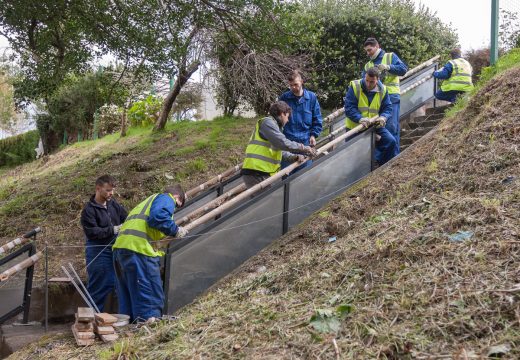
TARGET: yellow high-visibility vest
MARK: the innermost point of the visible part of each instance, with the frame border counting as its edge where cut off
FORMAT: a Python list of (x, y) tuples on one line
[(136, 235), (366, 109), (391, 81), (460, 79), (260, 154)]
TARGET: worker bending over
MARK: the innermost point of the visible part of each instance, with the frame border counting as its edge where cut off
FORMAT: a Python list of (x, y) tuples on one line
[(136, 262), (268, 146), (457, 77), (366, 98)]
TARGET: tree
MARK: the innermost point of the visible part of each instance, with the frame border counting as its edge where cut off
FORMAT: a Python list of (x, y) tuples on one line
[(414, 34)]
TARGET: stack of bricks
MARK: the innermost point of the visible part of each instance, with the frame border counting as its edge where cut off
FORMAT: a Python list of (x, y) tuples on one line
[(83, 328), (104, 328)]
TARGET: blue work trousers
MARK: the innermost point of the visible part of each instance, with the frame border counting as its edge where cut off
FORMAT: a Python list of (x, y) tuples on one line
[(139, 286), (450, 96), (393, 125), (386, 147), (100, 270)]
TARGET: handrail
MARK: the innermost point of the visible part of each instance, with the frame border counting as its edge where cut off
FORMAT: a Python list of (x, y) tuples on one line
[(19, 241), (30, 261), (420, 67), (264, 184)]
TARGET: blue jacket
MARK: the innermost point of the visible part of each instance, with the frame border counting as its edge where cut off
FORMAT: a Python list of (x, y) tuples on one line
[(445, 72), (398, 67), (161, 211), (98, 221), (351, 103), (305, 120)]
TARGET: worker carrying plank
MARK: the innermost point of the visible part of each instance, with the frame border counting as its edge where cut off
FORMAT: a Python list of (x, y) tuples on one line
[(268, 146), (101, 220), (137, 264), (366, 98)]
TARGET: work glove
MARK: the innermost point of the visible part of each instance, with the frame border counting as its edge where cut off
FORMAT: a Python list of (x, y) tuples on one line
[(116, 229), (365, 122), (380, 122), (181, 232), (383, 67), (300, 158), (309, 151)]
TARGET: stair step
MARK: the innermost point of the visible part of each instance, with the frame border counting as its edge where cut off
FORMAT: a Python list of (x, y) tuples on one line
[(418, 132), (437, 110), (409, 140)]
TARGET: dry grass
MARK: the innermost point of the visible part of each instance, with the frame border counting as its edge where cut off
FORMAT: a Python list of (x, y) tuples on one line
[(414, 292)]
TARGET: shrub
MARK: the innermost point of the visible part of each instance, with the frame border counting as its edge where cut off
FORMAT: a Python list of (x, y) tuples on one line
[(145, 112), (19, 149)]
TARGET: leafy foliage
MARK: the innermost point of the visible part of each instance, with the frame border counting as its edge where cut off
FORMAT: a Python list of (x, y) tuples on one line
[(509, 32), (72, 107), (144, 112), (414, 35), (329, 321), (18, 149)]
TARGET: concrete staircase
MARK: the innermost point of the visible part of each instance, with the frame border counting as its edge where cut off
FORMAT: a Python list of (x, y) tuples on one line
[(419, 126)]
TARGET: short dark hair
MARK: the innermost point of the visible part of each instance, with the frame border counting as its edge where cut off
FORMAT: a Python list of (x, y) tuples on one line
[(455, 53), (176, 190), (370, 41), (279, 107), (373, 71), (106, 179), (294, 74)]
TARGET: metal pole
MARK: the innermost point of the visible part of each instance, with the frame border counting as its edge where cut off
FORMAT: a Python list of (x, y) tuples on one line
[(46, 286), (83, 287), (495, 9), (77, 288)]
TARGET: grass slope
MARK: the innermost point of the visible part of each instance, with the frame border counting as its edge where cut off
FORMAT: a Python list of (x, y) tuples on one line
[(51, 192), (393, 285)]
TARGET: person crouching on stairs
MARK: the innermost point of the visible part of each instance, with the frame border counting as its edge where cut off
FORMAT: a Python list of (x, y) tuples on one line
[(367, 98), (268, 146)]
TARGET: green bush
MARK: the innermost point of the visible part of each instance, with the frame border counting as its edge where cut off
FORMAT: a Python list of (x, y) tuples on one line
[(145, 112), (18, 149)]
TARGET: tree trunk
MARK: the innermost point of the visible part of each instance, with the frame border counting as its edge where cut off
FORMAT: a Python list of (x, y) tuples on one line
[(123, 122), (182, 79)]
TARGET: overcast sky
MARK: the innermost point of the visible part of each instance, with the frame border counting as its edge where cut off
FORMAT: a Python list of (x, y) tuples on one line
[(470, 19)]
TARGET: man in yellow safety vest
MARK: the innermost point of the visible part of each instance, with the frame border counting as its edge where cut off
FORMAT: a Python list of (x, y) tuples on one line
[(268, 146), (367, 98), (391, 67), (457, 77), (137, 264)]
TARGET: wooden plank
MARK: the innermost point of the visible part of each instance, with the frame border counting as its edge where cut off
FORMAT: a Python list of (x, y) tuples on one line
[(109, 337), (82, 339), (83, 326), (59, 280), (104, 330), (105, 319), (85, 314)]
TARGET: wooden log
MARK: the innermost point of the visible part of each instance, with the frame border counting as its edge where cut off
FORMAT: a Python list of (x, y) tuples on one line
[(211, 205), (19, 241), (213, 181), (419, 67), (258, 187), (20, 266), (85, 314), (105, 319)]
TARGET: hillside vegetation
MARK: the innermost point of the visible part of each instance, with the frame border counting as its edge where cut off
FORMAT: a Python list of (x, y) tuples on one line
[(425, 264), (50, 192)]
